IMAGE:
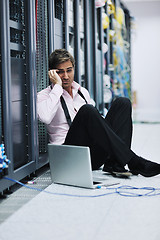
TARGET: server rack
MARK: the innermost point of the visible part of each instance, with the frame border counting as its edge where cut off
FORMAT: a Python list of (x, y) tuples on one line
[(119, 50), (99, 65), (49, 36), (18, 68), (1, 122), (82, 43), (41, 72)]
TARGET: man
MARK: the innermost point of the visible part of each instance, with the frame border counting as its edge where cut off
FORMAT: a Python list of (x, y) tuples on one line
[(65, 107)]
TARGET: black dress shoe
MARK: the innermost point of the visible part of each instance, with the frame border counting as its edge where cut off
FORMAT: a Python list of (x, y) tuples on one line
[(116, 170), (146, 168)]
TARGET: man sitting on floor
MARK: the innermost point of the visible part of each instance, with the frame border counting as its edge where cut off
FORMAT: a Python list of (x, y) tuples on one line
[(65, 107)]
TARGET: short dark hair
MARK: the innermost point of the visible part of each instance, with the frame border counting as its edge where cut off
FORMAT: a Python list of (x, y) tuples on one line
[(60, 56)]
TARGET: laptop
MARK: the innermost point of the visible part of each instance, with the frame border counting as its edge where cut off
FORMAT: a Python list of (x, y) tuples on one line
[(71, 165)]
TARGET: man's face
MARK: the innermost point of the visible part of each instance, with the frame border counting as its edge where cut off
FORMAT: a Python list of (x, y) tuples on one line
[(66, 72)]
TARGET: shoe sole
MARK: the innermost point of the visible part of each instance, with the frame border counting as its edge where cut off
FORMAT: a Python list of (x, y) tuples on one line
[(145, 174), (119, 174), (122, 174)]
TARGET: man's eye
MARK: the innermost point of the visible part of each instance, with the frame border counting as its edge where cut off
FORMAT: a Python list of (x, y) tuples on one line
[(60, 72), (69, 70)]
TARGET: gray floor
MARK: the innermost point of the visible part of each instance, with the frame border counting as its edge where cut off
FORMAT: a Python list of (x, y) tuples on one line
[(49, 216)]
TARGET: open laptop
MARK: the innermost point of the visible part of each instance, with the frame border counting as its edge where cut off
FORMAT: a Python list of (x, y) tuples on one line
[(71, 165)]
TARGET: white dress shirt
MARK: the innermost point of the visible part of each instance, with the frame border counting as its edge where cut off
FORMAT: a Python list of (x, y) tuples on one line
[(51, 113)]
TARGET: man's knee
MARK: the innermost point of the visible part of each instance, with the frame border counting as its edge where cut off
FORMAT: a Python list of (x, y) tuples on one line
[(87, 110), (123, 101)]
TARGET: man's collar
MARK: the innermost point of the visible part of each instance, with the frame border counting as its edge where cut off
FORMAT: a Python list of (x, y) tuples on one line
[(76, 86)]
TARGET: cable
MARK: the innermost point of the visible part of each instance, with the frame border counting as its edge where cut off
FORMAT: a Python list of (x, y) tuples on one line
[(4, 162), (120, 191), (123, 190), (61, 194)]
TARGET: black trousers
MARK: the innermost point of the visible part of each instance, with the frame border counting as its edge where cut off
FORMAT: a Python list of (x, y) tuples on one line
[(107, 138)]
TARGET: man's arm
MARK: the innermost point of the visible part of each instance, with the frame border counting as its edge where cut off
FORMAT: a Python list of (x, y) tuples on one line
[(48, 100)]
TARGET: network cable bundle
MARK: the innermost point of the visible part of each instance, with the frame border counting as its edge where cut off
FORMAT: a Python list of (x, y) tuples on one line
[(4, 162)]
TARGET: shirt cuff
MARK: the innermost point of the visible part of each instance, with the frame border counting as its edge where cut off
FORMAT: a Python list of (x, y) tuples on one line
[(56, 90)]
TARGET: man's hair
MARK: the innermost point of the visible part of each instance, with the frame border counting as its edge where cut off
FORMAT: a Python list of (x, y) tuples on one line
[(59, 56)]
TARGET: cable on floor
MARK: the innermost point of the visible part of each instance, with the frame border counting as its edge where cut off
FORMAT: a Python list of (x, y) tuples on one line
[(124, 190)]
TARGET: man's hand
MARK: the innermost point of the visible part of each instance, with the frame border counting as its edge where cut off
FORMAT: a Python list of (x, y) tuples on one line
[(54, 77)]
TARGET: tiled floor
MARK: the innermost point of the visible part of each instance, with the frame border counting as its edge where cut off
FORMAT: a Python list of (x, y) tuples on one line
[(110, 217)]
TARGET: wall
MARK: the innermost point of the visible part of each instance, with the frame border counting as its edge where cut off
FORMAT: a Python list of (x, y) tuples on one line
[(146, 59)]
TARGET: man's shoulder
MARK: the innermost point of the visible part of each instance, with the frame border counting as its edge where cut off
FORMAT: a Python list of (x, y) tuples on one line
[(47, 89), (83, 90)]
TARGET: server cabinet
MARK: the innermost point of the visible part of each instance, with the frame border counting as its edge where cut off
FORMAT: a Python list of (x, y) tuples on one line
[(57, 17), (1, 128), (49, 36), (92, 65), (42, 72), (83, 23), (18, 78), (99, 64), (59, 24), (119, 49)]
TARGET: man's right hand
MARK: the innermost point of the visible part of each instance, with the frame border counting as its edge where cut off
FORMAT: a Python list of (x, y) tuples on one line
[(54, 77)]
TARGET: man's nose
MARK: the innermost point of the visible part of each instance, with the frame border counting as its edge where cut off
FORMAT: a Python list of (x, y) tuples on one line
[(65, 75)]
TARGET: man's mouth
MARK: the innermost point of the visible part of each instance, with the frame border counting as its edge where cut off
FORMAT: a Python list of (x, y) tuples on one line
[(65, 82)]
